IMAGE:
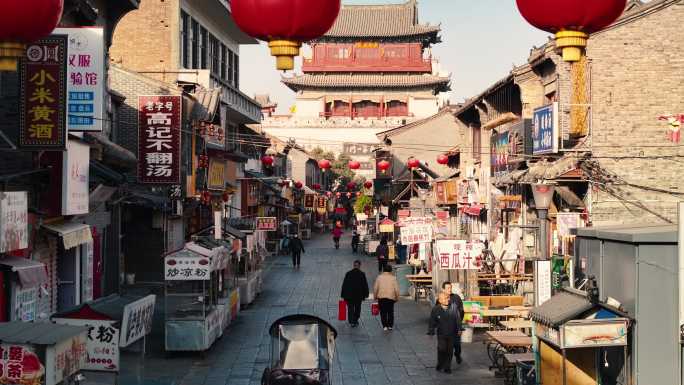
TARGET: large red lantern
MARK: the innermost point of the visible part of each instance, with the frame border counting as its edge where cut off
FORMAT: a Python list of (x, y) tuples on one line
[(285, 24), (299, 185), (383, 165), (413, 163), (354, 165), (23, 22), (351, 186), (368, 184), (571, 20), (267, 160), (443, 159), (324, 164)]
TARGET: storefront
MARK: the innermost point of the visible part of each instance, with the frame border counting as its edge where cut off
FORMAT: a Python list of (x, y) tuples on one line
[(22, 280)]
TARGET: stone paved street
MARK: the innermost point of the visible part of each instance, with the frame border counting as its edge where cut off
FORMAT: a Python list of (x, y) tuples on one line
[(365, 355)]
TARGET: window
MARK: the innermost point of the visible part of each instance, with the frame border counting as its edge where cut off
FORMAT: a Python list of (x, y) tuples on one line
[(194, 53), (477, 143), (367, 53), (230, 67), (204, 48), (396, 108), (185, 39), (215, 53), (236, 71), (224, 59)]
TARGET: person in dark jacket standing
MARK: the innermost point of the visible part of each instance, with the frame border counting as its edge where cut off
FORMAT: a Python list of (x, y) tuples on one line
[(296, 248), (354, 291), (455, 306), (382, 253), (355, 241), (445, 322)]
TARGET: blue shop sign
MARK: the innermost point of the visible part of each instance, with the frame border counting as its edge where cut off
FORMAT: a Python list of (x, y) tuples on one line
[(545, 130)]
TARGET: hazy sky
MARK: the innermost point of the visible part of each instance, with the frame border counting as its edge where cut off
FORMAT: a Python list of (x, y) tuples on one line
[(481, 41)]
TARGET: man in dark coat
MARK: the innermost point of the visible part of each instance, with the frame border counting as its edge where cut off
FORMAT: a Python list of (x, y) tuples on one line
[(354, 291), (456, 307), (296, 248), (445, 322)]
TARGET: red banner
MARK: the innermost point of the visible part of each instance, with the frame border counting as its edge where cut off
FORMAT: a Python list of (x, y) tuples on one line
[(43, 95), (159, 139)]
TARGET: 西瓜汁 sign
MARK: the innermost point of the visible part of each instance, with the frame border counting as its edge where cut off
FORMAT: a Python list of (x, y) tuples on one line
[(43, 79), (137, 320), (75, 178), (85, 78), (217, 174), (545, 130), (159, 139), (267, 223), (459, 254), (13, 221)]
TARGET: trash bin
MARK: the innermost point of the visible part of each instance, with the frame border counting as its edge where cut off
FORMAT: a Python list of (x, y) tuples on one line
[(467, 335), (401, 272)]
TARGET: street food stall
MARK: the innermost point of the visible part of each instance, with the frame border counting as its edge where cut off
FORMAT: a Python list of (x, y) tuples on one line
[(41, 353), (250, 274), (196, 295)]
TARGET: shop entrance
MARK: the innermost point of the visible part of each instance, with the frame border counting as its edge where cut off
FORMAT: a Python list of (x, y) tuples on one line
[(69, 279)]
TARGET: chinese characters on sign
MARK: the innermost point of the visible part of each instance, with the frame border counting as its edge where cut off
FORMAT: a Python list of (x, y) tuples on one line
[(43, 95), (217, 174), (309, 201), (459, 255), (19, 365), (358, 148), (85, 81), (501, 151), (267, 223), (159, 139), (67, 358), (187, 269), (102, 346), (76, 169), (545, 130), (13, 221), (137, 320), (416, 230)]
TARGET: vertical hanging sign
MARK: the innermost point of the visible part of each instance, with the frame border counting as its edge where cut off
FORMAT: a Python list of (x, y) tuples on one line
[(159, 139), (85, 78), (75, 169), (42, 113)]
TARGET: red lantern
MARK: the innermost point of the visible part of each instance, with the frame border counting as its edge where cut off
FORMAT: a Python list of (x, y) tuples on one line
[(354, 165), (349, 195), (368, 184), (316, 186), (413, 163), (324, 164), (328, 194), (285, 24), (351, 186), (299, 185), (443, 159), (383, 165), (267, 160), (338, 194), (23, 22), (283, 183), (571, 20), (358, 193)]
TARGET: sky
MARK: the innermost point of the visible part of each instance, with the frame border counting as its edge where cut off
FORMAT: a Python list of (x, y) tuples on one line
[(481, 42)]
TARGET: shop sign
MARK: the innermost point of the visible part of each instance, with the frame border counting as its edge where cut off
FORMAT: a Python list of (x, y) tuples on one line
[(137, 320), (416, 230), (20, 365), (75, 177), (187, 269), (102, 345), (566, 222), (387, 228), (542, 282), (65, 359), (441, 225), (43, 95), (545, 130), (459, 254), (13, 221), (24, 303), (401, 214), (500, 153), (86, 80), (510, 201), (87, 263), (309, 200), (217, 175), (447, 192), (595, 333), (358, 149), (267, 223), (361, 217), (159, 139), (213, 326)]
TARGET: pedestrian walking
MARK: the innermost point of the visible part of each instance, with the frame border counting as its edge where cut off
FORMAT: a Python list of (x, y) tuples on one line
[(296, 248), (354, 291), (337, 234), (355, 241), (445, 323), (382, 253), (456, 307), (386, 291)]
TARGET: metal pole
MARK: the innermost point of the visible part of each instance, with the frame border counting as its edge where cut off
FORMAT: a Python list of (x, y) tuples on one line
[(543, 233)]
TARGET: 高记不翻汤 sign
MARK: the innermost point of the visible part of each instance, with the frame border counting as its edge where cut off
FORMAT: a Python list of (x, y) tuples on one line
[(159, 139)]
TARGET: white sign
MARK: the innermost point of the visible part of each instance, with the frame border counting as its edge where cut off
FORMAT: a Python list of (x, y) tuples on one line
[(459, 254), (65, 359), (416, 230), (87, 263), (85, 78), (75, 172), (102, 346), (13, 221), (19, 364), (24, 303), (566, 222), (542, 282), (137, 320), (218, 229), (187, 268)]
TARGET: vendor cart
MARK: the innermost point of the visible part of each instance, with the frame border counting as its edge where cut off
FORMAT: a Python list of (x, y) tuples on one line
[(197, 307), (302, 351)]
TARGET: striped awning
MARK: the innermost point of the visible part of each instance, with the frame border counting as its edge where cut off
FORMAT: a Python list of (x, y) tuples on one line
[(72, 234)]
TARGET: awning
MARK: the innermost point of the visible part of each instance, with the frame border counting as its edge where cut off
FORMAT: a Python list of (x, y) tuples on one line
[(73, 234), (147, 199), (207, 104), (560, 309), (31, 273)]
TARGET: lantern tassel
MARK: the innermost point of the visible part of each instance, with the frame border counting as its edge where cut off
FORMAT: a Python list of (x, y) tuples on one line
[(10, 53), (579, 111), (285, 52)]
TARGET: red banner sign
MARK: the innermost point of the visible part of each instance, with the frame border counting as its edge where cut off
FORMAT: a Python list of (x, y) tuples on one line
[(43, 95), (159, 139)]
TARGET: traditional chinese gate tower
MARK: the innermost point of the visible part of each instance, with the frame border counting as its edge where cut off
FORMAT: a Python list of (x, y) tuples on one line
[(371, 72)]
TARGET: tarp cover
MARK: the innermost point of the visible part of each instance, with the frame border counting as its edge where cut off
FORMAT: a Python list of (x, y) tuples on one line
[(31, 273)]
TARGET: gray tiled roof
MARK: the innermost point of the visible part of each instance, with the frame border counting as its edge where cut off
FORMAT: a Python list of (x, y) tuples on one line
[(365, 81), (388, 20), (561, 308)]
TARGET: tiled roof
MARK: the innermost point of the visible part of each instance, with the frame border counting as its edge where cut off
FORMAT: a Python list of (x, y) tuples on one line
[(389, 20), (366, 81), (421, 124)]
